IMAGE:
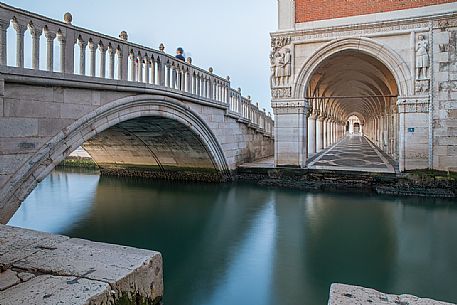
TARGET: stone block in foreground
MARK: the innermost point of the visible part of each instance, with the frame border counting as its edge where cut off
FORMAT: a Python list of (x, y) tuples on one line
[(42, 268), (341, 294)]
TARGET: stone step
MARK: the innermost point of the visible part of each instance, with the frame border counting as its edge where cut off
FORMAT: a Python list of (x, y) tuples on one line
[(42, 268)]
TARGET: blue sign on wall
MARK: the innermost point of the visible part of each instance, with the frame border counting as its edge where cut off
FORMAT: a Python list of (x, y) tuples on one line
[(410, 129)]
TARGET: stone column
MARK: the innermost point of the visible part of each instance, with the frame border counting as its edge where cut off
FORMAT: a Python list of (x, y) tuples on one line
[(50, 36), (102, 49), (312, 134), (36, 33), (4, 25), (92, 58), (291, 133), (20, 30), (111, 53), (324, 133), (319, 134), (82, 57)]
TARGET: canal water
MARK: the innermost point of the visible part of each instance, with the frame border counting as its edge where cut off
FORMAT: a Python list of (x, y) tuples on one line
[(249, 245)]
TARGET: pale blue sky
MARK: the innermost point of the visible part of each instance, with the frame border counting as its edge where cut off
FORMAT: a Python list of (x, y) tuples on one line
[(231, 36)]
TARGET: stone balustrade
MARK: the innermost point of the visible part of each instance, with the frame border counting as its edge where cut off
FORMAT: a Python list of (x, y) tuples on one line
[(105, 59)]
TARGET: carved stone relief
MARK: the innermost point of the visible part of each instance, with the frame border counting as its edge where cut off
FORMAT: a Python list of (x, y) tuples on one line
[(281, 61), (422, 86)]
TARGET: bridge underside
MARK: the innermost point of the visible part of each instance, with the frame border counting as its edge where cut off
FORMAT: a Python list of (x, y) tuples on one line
[(152, 146)]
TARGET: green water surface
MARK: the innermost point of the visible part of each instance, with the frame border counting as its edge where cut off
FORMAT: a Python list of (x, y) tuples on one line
[(226, 244)]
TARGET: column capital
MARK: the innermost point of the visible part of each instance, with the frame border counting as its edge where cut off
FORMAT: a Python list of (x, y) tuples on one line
[(34, 31), (50, 36), (20, 28), (290, 104), (102, 48), (4, 24), (82, 44), (61, 38), (111, 50), (92, 46)]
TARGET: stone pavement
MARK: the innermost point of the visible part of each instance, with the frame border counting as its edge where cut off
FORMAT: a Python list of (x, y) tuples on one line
[(45, 269), (352, 153)]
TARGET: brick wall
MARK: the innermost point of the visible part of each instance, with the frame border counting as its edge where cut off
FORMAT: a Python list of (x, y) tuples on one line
[(309, 10)]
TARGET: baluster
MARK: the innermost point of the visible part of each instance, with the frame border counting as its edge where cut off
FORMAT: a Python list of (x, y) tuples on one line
[(4, 25), (102, 50), (20, 30), (62, 42), (178, 78), (146, 69), (36, 33), (132, 66), (189, 81), (197, 85), (122, 64), (82, 56), (139, 70), (92, 58), (173, 76), (50, 36), (153, 71), (111, 53), (160, 72)]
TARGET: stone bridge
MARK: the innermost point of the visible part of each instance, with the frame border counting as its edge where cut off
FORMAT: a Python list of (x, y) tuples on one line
[(130, 106)]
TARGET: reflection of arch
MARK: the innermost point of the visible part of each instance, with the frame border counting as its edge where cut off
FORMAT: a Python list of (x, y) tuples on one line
[(106, 116), (381, 52)]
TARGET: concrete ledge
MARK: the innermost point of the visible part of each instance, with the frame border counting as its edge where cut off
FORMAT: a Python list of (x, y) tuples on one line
[(41, 268), (341, 294)]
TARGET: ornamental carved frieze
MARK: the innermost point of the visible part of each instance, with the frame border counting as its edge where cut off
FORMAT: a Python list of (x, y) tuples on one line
[(447, 86), (413, 105), (279, 42), (357, 30), (445, 23), (283, 92)]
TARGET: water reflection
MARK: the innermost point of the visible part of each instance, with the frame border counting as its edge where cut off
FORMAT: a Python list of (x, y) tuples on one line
[(226, 244)]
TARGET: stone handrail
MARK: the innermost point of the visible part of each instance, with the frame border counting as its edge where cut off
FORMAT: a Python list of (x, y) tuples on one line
[(117, 59)]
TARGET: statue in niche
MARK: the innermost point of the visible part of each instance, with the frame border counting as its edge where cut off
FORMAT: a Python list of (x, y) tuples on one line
[(287, 63), (273, 68), (279, 63), (422, 58)]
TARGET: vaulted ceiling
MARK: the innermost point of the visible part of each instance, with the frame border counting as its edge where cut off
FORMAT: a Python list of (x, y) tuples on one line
[(352, 82)]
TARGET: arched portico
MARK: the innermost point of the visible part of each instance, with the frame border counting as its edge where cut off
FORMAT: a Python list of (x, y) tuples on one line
[(344, 77), (112, 117)]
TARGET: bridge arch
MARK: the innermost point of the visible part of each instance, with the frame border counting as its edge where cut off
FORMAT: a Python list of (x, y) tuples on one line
[(95, 123)]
